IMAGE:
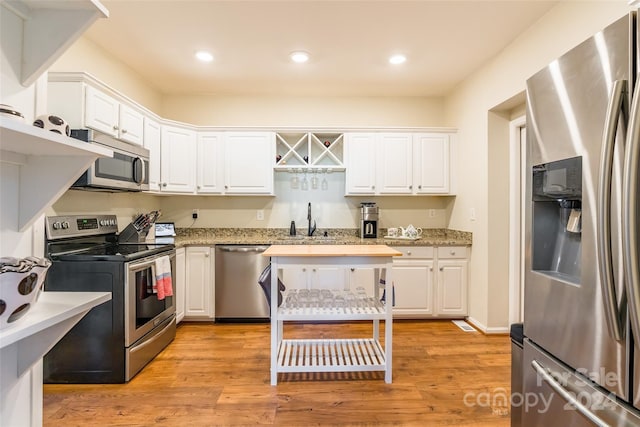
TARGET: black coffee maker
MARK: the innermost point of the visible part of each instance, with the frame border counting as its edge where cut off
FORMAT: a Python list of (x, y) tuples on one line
[(368, 220)]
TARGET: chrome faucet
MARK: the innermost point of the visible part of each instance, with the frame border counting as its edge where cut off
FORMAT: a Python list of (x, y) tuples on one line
[(311, 230)]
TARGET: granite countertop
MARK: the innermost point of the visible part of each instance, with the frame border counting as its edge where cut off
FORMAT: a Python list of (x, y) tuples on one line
[(334, 236)]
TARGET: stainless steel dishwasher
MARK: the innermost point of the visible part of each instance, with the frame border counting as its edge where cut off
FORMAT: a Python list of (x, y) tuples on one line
[(239, 297)]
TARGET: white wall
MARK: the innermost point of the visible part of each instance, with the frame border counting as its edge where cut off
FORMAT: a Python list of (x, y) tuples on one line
[(330, 208), (304, 111), (84, 55), (468, 108)]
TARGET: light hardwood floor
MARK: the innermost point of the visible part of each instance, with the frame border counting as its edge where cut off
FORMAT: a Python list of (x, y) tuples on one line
[(218, 374)]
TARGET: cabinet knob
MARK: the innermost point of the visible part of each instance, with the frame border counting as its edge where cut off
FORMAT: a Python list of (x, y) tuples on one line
[(164, 184), (373, 187), (124, 131), (419, 187), (198, 187), (430, 268), (352, 269), (411, 187), (206, 255), (314, 270), (452, 252), (408, 252), (115, 127), (304, 269), (226, 187), (441, 268)]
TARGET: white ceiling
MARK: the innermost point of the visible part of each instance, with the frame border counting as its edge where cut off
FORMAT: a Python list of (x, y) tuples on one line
[(349, 43)]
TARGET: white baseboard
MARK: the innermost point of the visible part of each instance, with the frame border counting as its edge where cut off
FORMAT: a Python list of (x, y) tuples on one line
[(486, 330)]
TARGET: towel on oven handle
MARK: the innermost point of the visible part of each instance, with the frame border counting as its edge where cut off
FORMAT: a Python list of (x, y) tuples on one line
[(163, 285)]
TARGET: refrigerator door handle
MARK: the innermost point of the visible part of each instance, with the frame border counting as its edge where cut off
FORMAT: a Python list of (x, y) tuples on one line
[(617, 106), (629, 213), (547, 375)]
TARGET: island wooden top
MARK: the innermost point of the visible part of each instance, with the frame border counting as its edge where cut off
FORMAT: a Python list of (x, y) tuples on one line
[(330, 250)]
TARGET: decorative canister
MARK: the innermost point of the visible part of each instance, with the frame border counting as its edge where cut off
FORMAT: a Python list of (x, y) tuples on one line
[(21, 281)]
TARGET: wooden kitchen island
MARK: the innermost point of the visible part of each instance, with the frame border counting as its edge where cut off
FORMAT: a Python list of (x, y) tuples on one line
[(331, 355)]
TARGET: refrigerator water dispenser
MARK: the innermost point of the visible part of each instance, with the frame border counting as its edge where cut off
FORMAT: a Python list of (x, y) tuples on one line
[(557, 218)]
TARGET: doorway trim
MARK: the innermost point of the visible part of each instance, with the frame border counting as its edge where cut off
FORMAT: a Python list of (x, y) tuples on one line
[(516, 215)]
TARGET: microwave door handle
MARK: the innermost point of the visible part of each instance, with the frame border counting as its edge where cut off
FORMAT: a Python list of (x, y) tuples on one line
[(143, 171), (617, 105), (629, 213)]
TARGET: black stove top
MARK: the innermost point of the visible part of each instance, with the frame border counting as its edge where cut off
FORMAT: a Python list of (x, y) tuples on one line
[(107, 252)]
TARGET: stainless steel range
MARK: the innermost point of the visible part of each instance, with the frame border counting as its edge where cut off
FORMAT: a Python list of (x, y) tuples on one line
[(115, 340)]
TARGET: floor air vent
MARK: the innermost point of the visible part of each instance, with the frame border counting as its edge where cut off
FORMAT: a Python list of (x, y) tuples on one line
[(464, 326)]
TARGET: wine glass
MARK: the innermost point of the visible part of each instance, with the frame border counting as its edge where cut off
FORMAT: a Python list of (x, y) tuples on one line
[(325, 184), (304, 185)]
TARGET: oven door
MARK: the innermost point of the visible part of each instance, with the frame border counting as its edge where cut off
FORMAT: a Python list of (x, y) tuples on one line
[(143, 310)]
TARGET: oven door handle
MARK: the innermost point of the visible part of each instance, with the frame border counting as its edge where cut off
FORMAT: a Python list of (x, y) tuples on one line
[(150, 262)]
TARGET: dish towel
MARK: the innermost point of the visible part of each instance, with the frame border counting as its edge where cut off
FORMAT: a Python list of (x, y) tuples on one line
[(163, 285)]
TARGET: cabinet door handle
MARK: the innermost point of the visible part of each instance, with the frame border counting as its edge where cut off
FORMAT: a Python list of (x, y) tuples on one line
[(124, 131)]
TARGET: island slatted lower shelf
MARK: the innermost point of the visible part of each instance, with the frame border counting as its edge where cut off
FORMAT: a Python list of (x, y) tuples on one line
[(331, 355)]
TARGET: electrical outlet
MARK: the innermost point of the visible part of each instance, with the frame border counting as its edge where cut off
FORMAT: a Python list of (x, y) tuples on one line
[(260, 215), (432, 213), (194, 214)]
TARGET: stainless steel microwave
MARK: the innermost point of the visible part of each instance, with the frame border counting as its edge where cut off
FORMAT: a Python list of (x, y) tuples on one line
[(127, 170)]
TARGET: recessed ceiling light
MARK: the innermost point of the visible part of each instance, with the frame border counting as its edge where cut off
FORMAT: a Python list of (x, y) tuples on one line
[(204, 56), (299, 57), (397, 59)]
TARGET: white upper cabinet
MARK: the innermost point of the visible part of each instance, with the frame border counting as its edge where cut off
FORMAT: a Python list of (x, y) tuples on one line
[(360, 163), (398, 163), (395, 163), (105, 114), (86, 106), (178, 160), (101, 112), (432, 163), (210, 163), (152, 137), (249, 158), (131, 125)]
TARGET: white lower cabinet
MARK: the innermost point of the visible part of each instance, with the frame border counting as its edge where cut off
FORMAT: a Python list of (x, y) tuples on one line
[(181, 280), (199, 287), (452, 281), (315, 277), (413, 282), (430, 282)]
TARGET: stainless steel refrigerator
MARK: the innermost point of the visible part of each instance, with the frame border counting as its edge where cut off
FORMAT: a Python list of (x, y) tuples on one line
[(582, 286)]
